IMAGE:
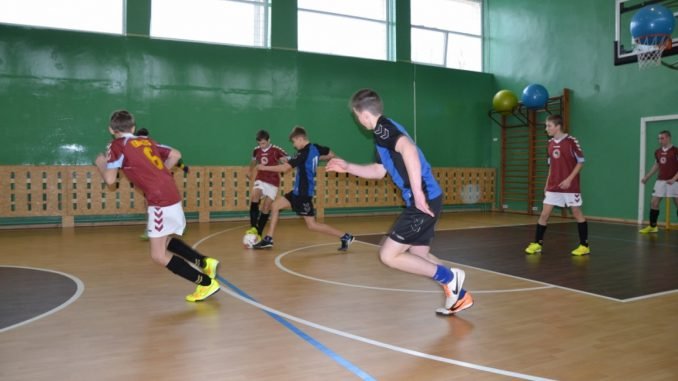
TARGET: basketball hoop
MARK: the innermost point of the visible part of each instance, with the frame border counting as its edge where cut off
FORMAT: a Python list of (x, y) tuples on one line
[(649, 49)]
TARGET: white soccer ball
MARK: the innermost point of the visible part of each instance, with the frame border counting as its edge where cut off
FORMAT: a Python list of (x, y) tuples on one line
[(249, 240)]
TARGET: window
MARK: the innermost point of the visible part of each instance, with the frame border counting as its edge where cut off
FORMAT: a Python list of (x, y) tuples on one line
[(447, 33), (356, 28), (233, 22), (105, 16)]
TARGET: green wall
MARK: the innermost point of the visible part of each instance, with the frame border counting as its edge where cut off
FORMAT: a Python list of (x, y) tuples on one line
[(569, 44), (59, 87)]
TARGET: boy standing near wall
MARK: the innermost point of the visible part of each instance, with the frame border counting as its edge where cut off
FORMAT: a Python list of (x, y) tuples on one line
[(146, 164), (300, 199), (666, 162), (566, 159), (407, 247), (266, 183)]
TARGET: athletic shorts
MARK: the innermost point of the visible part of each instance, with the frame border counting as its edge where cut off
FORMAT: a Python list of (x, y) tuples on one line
[(268, 190), (563, 199), (165, 220), (302, 205), (664, 189), (414, 227)]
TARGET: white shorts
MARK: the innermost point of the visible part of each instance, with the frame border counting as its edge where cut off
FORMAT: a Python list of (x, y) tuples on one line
[(563, 199), (268, 190), (663, 189), (165, 220)]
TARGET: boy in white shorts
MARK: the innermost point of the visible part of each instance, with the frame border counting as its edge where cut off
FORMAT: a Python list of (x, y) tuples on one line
[(146, 164), (666, 162), (266, 183), (562, 189)]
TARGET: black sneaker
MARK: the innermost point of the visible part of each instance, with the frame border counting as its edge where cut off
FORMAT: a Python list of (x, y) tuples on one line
[(346, 241), (265, 243)]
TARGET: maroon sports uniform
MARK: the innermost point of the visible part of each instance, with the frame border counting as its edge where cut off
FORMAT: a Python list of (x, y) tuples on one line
[(268, 156), (564, 154), (142, 160), (667, 160)]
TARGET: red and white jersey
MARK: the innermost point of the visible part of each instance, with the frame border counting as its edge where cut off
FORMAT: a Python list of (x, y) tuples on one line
[(268, 156), (564, 155), (667, 159), (142, 160)]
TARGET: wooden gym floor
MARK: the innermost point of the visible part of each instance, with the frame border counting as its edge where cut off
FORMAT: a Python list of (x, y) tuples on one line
[(303, 311)]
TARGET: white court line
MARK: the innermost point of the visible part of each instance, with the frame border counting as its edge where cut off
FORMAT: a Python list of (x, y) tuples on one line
[(80, 288), (525, 279), (374, 342), (278, 263), (385, 345)]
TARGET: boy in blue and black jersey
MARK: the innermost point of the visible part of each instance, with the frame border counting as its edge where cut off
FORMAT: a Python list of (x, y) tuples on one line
[(407, 247), (300, 199)]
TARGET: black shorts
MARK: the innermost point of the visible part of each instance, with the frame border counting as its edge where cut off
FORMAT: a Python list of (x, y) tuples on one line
[(416, 228), (302, 205)]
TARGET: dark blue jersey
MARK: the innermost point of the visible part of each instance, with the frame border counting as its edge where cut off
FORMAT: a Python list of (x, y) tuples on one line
[(386, 135), (306, 163)]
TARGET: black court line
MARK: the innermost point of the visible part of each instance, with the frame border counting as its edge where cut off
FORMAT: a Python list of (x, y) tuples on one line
[(623, 263)]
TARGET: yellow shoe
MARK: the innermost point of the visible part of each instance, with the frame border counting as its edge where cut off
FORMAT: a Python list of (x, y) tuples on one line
[(649, 229), (533, 248), (203, 292), (210, 268), (581, 250), (252, 230)]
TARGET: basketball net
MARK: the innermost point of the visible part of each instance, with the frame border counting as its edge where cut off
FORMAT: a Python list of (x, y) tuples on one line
[(649, 49)]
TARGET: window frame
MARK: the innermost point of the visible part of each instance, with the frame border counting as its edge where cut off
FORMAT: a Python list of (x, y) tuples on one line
[(447, 33)]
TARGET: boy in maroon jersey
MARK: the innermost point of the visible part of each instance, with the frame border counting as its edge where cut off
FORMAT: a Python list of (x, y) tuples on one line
[(146, 164), (266, 183), (566, 160), (666, 162)]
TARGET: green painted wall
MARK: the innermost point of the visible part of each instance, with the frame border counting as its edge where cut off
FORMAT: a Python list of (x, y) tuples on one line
[(59, 87), (569, 44)]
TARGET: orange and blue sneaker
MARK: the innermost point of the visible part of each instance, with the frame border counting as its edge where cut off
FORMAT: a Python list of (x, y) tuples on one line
[(465, 301), (454, 287), (581, 250), (203, 292), (210, 268)]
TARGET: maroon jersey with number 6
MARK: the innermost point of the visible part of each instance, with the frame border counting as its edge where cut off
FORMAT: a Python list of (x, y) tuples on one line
[(667, 161), (269, 156), (142, 160), (564, 154)]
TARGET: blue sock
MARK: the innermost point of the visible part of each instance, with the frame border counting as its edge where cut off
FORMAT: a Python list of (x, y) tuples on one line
[(443, 275), (462, 293)]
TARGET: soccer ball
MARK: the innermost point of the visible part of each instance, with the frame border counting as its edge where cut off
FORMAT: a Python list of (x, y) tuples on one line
[(248, 240)]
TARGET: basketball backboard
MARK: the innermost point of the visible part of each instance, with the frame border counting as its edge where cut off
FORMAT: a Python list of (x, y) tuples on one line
[(623, 43)]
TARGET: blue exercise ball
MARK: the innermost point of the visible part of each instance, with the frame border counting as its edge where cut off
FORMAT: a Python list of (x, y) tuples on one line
[(651, 21), (534, 96)]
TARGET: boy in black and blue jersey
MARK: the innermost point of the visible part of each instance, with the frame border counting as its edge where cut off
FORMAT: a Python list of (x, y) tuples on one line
[(407, 247), (300, 199)]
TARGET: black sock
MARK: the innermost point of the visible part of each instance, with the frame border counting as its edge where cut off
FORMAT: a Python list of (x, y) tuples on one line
[(539, 237), (654, 214), (184, 270), (254, 213), (583, 228), (181, 249), (263, 219)]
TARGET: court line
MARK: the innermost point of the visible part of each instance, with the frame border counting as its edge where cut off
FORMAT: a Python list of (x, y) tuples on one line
[(80, 288), (385, 345), (365, 340), (306, 337), (521, 278), (330, 353), (278, 263)]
